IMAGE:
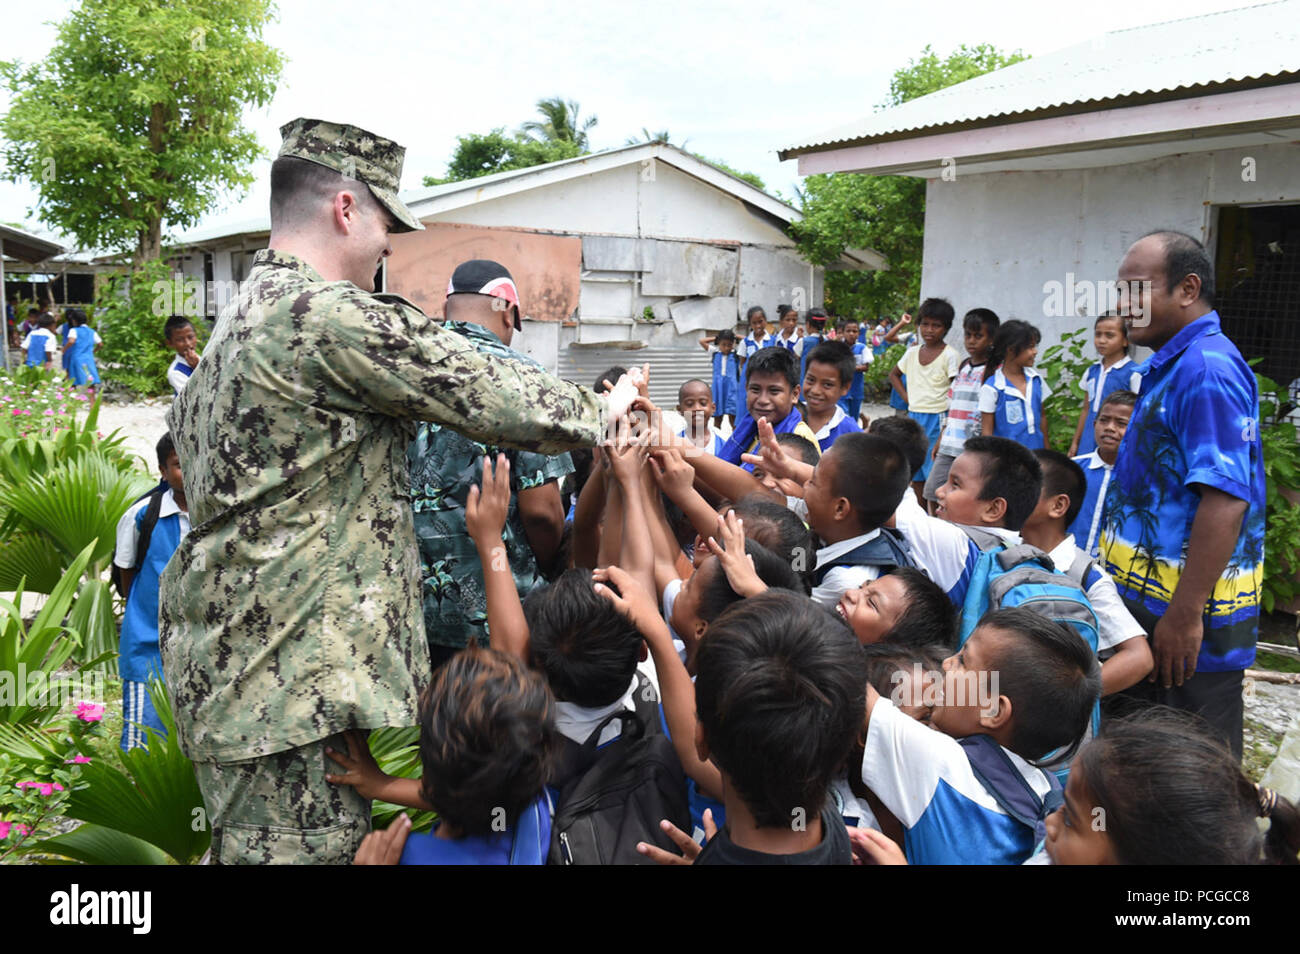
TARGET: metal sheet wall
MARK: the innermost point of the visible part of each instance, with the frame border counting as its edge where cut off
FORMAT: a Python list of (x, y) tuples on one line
[(669, 367)]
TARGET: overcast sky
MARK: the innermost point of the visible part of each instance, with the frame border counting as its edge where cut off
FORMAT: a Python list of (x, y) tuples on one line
[(737, 80)]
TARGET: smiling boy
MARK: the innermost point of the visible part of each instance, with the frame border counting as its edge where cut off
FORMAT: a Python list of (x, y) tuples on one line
[(1112, 423), (825, 383), (771, 389)]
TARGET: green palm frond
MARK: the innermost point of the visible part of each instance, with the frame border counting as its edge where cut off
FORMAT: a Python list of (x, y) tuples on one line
[(29, 556), (96, 845)]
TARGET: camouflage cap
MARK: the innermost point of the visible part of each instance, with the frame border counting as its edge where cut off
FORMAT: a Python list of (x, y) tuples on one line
[(355, 153)]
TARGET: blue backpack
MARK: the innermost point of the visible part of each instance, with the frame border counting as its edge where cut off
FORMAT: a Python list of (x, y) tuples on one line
[(1025, 576)]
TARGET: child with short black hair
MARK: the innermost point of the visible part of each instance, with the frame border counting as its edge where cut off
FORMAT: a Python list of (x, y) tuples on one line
[(1114, 372), (487, 744), (994, 485), (929, 368), (147, 536), (828, 375), (854, 489), (862, 358), (1121, 641), (696, 406), (1020, 688), (779, 702), (1012, 396), (963, 417), (816, 329), (1171, 794), (1098, 465), (902, 608), (181, 337), (771, 390)]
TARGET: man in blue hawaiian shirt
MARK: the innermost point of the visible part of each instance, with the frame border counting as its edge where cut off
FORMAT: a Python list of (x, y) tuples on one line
[(482, 305), (1184, 521)]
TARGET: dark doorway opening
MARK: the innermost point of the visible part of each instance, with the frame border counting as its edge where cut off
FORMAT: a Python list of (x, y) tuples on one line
[(1257, 274)]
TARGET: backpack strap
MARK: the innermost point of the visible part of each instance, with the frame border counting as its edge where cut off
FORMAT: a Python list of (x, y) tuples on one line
[(887, 550), (1003, 781), (1079, 570), (982, 538), (147, 525)]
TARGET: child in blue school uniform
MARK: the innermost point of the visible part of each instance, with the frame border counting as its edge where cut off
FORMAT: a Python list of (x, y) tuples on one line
[(64, 330), (758, 338), (726, 375), (487, 740), (1011, 400), (41, 343), (79, 358), (155, 525), (862, 357), (825, 383), (788, 334), (181, 337), (815, 335), (1098, 467), (1114, 372)]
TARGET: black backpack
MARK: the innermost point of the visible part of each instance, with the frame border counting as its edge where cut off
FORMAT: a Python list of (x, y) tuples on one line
[(146, 534), (613, 797)]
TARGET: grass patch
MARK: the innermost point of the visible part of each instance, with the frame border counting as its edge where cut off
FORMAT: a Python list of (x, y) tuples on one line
[(1261, 745), (1267, 660)]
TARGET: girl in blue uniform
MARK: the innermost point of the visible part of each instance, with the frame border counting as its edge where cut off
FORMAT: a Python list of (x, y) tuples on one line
[(1114, 372), (1011, 400), (80, 351)]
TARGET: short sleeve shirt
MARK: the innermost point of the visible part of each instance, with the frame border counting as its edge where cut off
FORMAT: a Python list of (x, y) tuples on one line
[(1196, 423), (927, 384), (445, 464)]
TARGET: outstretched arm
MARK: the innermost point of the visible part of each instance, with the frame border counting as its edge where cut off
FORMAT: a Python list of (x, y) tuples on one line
[(485, 519), (675, 687)]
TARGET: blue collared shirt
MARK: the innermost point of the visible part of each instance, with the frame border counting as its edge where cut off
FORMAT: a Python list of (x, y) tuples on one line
[(1196, 422)]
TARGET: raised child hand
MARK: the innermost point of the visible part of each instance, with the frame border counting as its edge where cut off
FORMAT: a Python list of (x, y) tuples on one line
[(736, 563), (690, 850), (486, 509), (626, 455), (674, 476), (384, 847), (773, 458), (631, 599)]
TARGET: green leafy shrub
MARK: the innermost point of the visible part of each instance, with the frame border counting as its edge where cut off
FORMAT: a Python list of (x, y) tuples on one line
[(1063, 365), (1281, 516), (132, 310), (875, 380)]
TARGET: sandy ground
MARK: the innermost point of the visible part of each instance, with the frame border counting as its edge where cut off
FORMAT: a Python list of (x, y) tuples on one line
[(141, 423)]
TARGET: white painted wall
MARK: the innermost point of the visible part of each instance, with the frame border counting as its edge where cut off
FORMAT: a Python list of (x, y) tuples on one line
[(658, 201), (994, 239)]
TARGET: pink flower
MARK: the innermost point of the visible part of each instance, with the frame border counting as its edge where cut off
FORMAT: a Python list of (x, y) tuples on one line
[(79, 760), (46, 788), (89, 712), (49, 413), (16, 827)]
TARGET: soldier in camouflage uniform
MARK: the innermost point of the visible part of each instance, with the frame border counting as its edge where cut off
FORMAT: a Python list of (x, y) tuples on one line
[(482, 305), (291, 612)]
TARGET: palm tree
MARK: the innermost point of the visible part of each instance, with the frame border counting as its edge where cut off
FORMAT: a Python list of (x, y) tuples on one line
[(660, 136), (559, 123)]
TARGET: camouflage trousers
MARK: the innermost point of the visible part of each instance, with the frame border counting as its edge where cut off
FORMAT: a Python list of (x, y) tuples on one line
[(279, 809)]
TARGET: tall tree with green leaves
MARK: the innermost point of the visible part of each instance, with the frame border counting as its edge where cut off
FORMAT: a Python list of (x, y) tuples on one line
[(481, 154), (886, 213), (132, 120), (560, 122)]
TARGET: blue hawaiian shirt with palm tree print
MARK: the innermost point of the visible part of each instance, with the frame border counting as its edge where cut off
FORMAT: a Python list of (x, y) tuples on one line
[(1196, 422)]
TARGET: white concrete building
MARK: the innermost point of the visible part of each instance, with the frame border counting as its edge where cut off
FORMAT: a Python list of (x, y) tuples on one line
[(1045, 171), (623, 256)]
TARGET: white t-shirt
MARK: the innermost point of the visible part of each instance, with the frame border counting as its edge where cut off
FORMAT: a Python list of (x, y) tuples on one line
[(578, 722), (941, 548)]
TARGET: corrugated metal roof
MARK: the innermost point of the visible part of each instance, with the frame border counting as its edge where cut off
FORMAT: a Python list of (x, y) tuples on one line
[(670, 366), (1204, 51)]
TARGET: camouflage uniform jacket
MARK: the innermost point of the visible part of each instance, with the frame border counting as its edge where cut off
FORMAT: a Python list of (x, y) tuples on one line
[(292, 611), (444, 465)]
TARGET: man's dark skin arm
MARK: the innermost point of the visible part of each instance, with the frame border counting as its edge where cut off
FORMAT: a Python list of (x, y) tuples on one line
[(541, 510), (1176, 641)]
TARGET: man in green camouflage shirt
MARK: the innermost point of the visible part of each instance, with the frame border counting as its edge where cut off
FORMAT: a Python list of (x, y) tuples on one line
[(291, 612), (483, 305)]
